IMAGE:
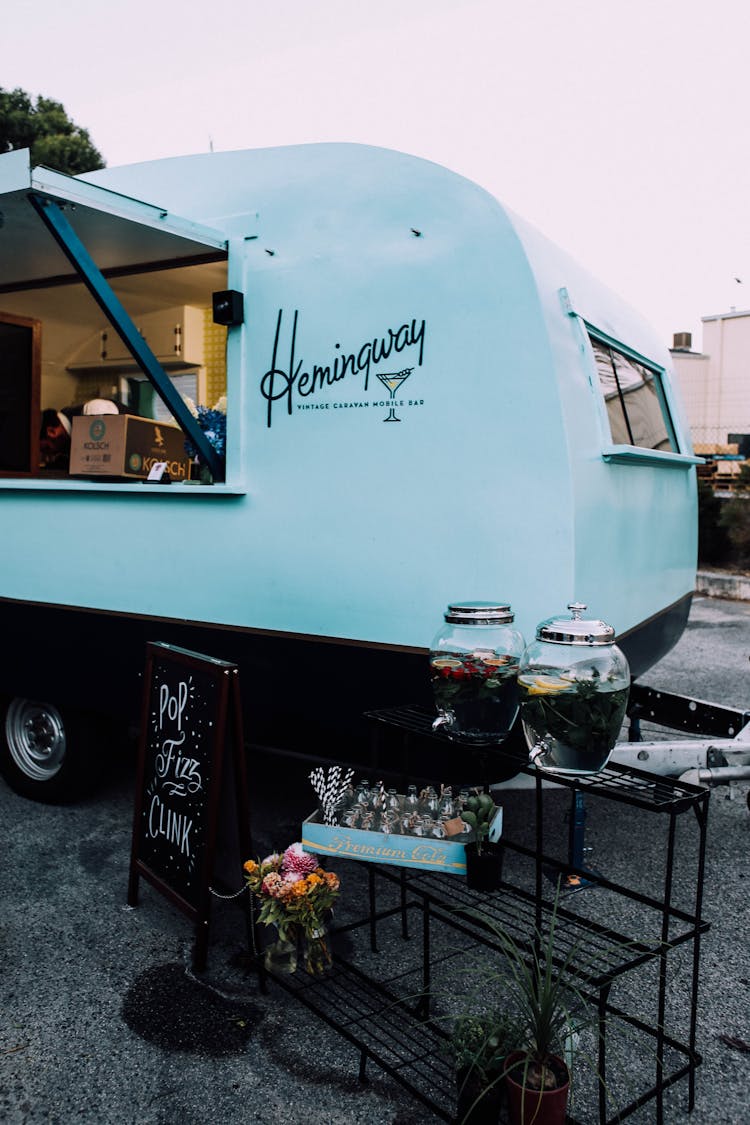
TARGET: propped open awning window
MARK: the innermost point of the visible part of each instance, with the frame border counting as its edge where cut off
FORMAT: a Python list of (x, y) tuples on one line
[(122, 235), (60, 234)]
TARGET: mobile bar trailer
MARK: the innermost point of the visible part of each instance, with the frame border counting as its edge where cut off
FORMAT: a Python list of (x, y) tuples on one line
[(425, 400)]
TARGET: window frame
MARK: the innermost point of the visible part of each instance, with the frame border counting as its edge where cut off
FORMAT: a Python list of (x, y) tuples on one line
[(616, 453)]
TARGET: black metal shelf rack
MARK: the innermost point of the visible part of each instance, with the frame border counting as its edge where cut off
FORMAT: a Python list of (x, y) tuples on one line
[(390, 1022), (384, 1027)]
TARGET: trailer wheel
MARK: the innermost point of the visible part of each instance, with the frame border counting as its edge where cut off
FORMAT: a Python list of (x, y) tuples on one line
[(44, 752)]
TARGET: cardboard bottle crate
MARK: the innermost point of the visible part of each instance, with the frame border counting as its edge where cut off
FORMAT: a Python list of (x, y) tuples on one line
[(124, 445)]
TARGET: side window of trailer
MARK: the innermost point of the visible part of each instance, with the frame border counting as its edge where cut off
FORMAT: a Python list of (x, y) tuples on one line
[(637, 409)]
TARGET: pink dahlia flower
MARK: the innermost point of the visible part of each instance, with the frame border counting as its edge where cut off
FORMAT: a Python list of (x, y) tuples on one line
[(297, 861)]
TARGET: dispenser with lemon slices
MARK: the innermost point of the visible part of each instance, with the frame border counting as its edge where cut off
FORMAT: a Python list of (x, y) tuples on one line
[(573, 686)]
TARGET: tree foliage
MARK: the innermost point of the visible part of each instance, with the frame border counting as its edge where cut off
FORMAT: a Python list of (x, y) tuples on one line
[(44, 127), (713, 540), (735, 518)]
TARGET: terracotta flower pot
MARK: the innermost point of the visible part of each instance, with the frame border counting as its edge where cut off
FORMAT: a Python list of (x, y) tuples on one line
[(527, 1106)]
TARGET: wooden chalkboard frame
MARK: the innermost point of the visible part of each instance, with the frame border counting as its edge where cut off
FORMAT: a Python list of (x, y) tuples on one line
[(226, 740)]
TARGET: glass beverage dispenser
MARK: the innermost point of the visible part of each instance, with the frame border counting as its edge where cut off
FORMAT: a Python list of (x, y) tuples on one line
[(474, 663), (573, 686)]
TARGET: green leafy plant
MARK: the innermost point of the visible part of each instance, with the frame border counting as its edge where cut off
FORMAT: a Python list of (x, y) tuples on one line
[(480, 1043), (478, 1047), (542, 995), (713, 541), (734, 519)]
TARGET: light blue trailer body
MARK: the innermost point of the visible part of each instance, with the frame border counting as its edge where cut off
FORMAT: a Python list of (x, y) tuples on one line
[(499, 480)]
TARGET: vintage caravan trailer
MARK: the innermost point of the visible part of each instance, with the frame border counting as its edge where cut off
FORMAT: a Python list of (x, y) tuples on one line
[(425, 401)]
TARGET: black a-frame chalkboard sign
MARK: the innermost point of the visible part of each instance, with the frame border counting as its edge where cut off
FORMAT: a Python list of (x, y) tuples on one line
[(191, 749)]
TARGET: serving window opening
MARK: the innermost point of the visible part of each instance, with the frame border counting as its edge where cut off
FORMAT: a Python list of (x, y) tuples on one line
[(106, 308), (60, 357)]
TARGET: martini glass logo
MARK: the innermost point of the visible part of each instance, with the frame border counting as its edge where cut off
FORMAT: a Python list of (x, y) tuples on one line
[(392, 382)]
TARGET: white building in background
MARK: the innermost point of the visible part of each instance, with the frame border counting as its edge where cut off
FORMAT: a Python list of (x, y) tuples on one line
[(715, 382)]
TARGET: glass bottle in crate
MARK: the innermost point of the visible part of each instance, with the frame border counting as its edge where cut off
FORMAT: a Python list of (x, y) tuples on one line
[(345, 803), (473, 667), (352, 817), (370, 820), (429, 802), (447, 808), (573, 686), (390, 823), (410, 822), (363, 793)]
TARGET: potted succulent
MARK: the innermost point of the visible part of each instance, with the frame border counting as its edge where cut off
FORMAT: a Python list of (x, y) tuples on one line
[(479, 1045), (484, 860)]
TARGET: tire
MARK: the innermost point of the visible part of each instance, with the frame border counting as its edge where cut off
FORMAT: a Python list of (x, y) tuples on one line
[(45, 752)]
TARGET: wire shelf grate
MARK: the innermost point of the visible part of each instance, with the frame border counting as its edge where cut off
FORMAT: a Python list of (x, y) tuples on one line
[(616, 782)]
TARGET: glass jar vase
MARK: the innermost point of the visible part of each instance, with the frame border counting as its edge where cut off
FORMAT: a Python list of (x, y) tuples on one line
[(316, 949), (573, 686), (280, 956), (474, 662)]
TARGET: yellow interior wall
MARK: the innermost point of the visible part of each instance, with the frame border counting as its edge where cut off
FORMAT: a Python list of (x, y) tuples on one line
[(214, 358)]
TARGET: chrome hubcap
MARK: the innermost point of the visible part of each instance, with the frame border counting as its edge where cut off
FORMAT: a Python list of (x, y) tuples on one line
[(35, 734)]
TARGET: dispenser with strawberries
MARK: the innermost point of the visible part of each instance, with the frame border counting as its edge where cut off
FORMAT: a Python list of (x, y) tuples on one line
[(474, 662)]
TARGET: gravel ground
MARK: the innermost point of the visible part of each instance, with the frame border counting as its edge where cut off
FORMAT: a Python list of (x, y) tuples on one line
[(102, 1020)]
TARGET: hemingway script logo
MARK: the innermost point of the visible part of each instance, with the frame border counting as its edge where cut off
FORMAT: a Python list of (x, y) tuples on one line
[(301, 381)]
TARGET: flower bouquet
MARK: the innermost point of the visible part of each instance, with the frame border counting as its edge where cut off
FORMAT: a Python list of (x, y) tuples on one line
[(295, 895), (213, 421)]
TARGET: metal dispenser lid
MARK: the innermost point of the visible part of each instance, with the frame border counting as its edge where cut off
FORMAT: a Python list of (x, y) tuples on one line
[(575, 630), (478, 613)]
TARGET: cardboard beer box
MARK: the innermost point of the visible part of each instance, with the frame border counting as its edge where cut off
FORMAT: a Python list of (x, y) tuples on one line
[(124, 445), (420, 852)]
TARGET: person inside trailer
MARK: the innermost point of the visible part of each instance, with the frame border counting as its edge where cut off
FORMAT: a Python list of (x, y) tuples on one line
[(57, 425), (54, 439)]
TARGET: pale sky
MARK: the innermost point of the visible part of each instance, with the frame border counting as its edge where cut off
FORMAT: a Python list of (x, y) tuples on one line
[(616, 128)]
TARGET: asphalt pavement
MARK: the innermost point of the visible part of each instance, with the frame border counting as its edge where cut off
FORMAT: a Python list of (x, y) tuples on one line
[(103, 1021)]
